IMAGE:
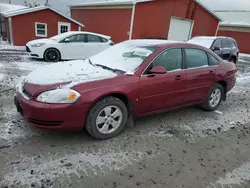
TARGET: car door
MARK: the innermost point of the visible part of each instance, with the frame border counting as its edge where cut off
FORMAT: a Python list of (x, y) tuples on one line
[(162, 91), (72, 47), (226, 49), (216, 47), (200, 77), (94, 44)]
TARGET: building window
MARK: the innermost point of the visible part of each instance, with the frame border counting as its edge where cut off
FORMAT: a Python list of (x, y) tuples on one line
[(41, 29), (63, 27)]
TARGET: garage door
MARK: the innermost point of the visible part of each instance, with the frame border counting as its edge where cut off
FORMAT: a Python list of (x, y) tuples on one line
[(180, 29)]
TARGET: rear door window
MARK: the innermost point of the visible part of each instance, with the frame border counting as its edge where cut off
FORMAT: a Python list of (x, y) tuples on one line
[(93, 38), (213, 61), (195, 58)]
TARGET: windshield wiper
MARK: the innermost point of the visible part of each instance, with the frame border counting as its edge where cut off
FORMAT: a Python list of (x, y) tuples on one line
[(90, 61), (110, 69)]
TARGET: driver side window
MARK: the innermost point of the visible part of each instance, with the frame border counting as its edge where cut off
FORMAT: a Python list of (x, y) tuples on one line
[(170, 59)]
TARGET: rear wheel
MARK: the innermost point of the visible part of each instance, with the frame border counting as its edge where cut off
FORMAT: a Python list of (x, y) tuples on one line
[(214, 98), (107, 118), (52, 55)]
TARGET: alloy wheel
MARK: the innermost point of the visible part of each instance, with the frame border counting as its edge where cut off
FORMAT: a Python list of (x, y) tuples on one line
[(109, 119), (215, 98)]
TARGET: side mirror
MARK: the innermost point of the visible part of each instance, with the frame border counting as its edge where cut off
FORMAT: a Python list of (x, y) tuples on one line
[(216, 48), (158, 70), (67, 40)]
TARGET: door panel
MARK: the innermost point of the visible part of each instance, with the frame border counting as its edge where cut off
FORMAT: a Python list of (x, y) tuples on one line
[(225, 49), (198, 83), (74, 49), (162, 91), (200, 77), (158, 92), (94, 45)]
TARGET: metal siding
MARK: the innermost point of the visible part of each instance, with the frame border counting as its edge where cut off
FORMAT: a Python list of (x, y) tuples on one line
[(112, 22), (242, 39), (204, 23), (23, 26), (151, 19)]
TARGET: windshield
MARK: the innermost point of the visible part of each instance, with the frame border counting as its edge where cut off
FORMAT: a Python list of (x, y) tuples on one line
[(124, 57), (206, 42), (60, 36)]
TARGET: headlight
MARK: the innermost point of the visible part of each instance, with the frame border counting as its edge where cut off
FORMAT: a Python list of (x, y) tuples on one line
[(37, 45), (64, 95)]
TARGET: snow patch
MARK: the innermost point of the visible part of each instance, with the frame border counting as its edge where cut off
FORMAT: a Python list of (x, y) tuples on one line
[(237, 177), (2, 77), (6, 46), (126, 56), (72, 71), (202, 41), (88, 164), (4, 7)]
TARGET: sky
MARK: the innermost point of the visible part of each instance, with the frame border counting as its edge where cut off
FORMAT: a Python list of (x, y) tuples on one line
[(62, 5)]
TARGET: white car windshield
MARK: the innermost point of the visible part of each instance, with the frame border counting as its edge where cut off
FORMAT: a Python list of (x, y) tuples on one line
[(60, 36), (206, 42), (124, 57)]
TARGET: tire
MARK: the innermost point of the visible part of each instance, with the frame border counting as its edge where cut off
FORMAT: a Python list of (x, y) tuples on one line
[(208, 104), (99, 111), (52, 55)]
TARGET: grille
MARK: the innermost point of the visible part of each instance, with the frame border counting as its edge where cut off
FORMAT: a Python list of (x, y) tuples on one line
[(25, 92), (45, 123), (27, 49)]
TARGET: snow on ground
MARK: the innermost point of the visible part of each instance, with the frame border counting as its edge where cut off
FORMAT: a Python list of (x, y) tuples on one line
[(238, 176), (6, 46), (88, 164), (245, 57)]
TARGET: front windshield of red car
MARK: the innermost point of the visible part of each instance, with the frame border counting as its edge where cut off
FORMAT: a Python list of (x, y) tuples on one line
[(124, 56)]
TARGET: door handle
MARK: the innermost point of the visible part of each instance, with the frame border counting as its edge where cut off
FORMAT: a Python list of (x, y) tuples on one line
[(178, 77), (211, 72)]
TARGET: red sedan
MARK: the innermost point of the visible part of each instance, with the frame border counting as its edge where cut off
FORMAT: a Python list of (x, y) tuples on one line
[(133, 78)]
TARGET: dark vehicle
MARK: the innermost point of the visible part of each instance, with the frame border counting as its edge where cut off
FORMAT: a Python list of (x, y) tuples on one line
[(225, 47)]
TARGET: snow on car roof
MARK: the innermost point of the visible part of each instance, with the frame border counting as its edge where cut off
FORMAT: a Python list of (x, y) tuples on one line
[(4, 7), (149, 42)]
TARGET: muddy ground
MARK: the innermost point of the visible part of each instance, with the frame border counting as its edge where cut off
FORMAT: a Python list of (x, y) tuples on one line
[(184, 148)]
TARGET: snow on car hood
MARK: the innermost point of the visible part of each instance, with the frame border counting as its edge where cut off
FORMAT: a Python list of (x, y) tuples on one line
[(41, 41), (71, 71)]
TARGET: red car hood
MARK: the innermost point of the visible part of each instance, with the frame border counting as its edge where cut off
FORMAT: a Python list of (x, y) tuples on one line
[(33, 89), (59, 74)]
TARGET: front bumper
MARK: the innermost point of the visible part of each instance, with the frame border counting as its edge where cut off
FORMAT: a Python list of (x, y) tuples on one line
[(35, 52), (51, 116)]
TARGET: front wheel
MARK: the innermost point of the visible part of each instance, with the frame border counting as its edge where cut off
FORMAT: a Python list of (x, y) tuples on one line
[(107, 118), (214, 98), (52, 55)]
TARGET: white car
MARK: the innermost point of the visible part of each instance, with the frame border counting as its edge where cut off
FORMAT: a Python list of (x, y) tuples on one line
[(69, 46)]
